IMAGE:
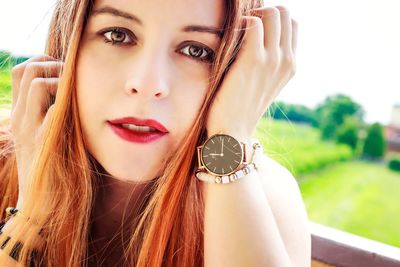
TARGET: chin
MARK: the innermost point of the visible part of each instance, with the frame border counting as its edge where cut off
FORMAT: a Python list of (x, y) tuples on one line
[(127, 175)]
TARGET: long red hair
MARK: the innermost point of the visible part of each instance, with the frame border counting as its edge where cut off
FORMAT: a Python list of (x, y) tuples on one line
[(169, 231)]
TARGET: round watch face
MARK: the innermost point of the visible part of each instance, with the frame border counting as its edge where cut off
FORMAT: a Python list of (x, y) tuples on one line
[(221, 154)]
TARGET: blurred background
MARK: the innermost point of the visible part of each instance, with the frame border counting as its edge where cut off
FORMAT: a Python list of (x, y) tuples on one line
[(336, 124)]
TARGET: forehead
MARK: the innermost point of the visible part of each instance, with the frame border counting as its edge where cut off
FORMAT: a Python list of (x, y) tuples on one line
[(179, 12)]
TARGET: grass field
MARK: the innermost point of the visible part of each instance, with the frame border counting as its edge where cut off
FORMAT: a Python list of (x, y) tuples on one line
[(5, 93), (358, 197), (298, 147), (355, 196)]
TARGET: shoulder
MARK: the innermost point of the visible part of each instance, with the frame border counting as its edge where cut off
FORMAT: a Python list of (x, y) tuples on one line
[(284, 196)]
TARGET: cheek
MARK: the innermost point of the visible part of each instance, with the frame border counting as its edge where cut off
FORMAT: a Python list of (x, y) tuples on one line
[(83, 92), (94, 80), (92, 73), (85, 84), (91, 91), (188, 103)]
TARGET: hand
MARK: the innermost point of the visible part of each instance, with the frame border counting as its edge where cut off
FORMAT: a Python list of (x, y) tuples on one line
[(264, 64), (33, 83)]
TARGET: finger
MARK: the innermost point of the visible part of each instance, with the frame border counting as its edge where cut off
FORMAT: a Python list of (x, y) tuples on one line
[(294, 35), (46, 120), (252, 47), (286, 28), (38, 100), (32, 70), (17, 72), (272, 25)]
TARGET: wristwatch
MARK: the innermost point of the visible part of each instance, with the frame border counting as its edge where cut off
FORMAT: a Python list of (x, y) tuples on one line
[(222, 159)]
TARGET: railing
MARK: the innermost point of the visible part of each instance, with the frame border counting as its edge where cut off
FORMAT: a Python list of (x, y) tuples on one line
[(332, 247)]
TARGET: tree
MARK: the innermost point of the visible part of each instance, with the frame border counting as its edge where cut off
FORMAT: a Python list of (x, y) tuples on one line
[(333, 111), (347, 133), (375, 143), (293, 112)]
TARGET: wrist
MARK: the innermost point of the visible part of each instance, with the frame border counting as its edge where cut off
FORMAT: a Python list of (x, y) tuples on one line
[(16, 224), (239, 136), (12, 230), (20, 203), (211, 165)]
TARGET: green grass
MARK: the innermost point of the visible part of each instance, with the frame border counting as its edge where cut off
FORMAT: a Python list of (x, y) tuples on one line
[(298, 147), (5, 88), (358, 197)]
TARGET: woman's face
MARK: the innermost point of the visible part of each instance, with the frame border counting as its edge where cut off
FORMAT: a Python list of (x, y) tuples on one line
[(156, 69)]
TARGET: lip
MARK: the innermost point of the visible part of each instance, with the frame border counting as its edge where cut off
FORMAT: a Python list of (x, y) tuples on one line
[(135, 136), (140, 122)]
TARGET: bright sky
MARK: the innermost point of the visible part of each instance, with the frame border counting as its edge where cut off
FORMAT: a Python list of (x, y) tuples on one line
[(344, 46)]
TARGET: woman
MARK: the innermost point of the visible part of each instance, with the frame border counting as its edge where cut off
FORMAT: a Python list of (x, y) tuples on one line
[(92, 189)]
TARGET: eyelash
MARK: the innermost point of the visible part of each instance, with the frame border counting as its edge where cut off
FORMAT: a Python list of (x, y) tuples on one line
[(207, 59)]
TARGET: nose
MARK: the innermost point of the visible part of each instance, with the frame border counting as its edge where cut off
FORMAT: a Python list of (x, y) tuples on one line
[(147, 77)]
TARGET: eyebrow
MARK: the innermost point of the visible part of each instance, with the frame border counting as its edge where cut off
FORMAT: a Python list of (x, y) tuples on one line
[(190, 28)]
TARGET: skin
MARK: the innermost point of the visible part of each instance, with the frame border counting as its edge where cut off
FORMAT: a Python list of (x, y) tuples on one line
[(152, 75), (146, 78), (151, 79)]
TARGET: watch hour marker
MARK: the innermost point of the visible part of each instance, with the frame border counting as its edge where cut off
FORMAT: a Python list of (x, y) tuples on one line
[(215, 168), (236, 161), (231, 167)]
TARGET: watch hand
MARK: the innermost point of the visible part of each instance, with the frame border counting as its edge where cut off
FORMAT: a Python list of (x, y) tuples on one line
[(222, 151), (232, 150)]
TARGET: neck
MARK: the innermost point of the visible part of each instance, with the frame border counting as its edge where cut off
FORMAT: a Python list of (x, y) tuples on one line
[(116, 209), (117, 202)]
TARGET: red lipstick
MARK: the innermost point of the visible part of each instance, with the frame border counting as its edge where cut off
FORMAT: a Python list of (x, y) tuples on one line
[(134, 135)]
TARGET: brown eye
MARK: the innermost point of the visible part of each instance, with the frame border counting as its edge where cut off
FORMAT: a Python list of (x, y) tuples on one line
[(116, 36), (198, 52)]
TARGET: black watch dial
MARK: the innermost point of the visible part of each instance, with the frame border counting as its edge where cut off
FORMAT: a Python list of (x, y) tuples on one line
[(221, 154)]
